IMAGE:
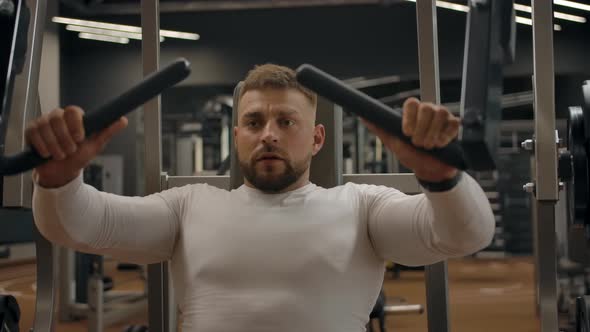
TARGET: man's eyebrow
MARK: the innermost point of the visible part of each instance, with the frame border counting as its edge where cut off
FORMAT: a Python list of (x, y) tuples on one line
[(287, 111), (252, 114), (259, 114)]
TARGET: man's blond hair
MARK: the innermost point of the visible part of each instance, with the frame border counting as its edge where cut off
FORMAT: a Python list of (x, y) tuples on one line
[(276, 77)]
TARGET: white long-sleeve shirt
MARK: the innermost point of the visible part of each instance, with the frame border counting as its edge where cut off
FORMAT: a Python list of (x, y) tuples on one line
[(307, 260)]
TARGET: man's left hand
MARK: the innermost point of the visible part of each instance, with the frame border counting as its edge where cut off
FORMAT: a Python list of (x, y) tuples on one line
[(429, 126)]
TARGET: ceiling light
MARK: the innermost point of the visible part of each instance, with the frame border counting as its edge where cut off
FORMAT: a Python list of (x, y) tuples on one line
[(528, 21), (118, 40), (122, 27), (572, 4), (563, 16), (452, 6), (105, 32), (463, 8)]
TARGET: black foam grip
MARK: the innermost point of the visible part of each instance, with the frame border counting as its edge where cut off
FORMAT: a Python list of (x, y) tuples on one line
[(373, 110), (99, 119)]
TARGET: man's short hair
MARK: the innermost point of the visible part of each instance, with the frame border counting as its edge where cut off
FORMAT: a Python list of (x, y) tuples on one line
[(277, 77)]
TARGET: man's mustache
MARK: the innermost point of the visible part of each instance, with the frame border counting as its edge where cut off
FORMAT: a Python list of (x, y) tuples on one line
[(269, 149)]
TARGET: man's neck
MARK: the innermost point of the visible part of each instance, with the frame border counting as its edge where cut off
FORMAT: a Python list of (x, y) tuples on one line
[(300, 183)]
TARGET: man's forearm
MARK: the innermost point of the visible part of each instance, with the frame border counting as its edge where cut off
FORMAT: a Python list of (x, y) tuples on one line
[(463, 221)]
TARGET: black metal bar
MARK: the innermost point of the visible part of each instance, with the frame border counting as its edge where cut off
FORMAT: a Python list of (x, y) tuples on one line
[(101, 118), (371, 109)]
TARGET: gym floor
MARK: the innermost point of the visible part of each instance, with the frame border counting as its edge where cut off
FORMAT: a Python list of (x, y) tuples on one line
[(485, 295)]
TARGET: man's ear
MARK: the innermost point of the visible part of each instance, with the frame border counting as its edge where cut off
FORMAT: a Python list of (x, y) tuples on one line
[(319, 137)]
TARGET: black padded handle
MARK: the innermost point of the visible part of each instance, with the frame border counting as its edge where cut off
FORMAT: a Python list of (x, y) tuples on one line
[(99, 119), (373, 110)]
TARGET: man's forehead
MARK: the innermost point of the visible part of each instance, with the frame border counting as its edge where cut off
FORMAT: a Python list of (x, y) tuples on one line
[(281, 100)]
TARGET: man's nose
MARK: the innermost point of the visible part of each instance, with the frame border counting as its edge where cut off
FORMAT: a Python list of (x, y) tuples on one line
[(269, 133)]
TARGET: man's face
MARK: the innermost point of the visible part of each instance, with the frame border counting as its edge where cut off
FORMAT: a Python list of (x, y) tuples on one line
[(276, 137)]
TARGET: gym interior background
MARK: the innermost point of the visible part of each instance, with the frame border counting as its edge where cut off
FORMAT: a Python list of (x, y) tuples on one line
[(372, 45)]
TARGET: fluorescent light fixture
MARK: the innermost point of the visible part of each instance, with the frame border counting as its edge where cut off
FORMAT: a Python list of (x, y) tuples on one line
[(105, 32), (563, 16), (569, 17), (449, 5), (524, 20), (572, 4), (92, 36), (179, 35), (452, 6), (528, 21), (122, 27), (463, 8)]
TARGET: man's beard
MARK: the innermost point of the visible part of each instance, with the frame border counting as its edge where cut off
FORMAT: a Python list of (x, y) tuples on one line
[(276, 182)]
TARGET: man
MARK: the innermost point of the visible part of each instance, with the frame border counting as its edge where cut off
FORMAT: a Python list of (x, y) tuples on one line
[(279, 253)]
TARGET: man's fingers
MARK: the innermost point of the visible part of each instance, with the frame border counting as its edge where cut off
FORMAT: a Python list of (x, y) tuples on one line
[(96, 143), (409, 116), (49, 138), (383, 135), (62, 133), (439, 121), (36, 141), (449, 132), (103, 137), (73, 115), (423, 120)]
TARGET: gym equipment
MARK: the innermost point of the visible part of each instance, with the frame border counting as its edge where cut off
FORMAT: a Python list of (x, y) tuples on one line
[(545, 182), (102, 117), (583, 314), (20, 74), (481, 92), (574, 172), (325, 172), (137, 328), (381, 310), (371, 109), (9, 314)]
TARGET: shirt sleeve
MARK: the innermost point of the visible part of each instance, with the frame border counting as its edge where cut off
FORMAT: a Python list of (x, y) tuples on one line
[(134, 229), (423, 229)]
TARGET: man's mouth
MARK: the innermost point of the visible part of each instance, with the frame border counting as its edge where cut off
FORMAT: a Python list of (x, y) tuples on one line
[(269, 157)]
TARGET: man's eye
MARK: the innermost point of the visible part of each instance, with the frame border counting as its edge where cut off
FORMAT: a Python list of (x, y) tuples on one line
[(251, 123), (288, 123)]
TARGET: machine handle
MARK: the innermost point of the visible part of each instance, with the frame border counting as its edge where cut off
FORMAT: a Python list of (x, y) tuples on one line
[(99, 119), (373, 110)]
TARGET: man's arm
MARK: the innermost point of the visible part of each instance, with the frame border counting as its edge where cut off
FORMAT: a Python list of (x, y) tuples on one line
[(452, 218), (427, 228), (70, 213), (134, 229)]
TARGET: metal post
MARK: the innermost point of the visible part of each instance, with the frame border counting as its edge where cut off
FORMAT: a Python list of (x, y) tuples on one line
[(66, 280), (46, 283), (236, 177), (95, 303), (546, 182), (18, 190), (326, 166), (436, 274), (157, 278), (360, 146)]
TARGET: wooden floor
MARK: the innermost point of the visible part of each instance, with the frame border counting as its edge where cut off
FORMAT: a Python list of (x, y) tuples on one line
[(485, 295)]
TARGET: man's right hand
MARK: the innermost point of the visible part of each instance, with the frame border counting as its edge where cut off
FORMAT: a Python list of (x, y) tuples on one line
[(60, 135)]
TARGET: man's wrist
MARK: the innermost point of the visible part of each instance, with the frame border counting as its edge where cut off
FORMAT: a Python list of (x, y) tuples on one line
[(53, 182), (440, 186)]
